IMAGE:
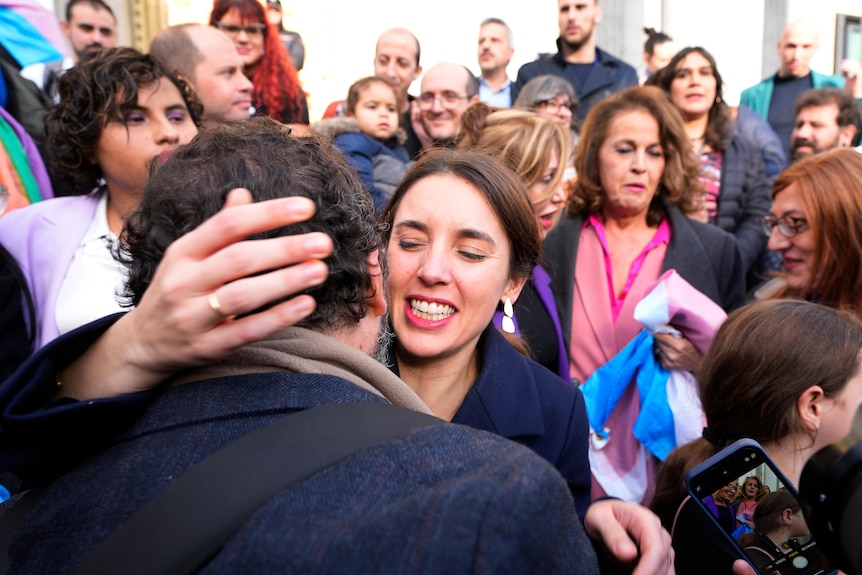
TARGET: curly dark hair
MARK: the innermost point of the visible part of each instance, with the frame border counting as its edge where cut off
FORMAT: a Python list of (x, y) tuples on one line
[(719, 126), (262, 156), (100, 88)]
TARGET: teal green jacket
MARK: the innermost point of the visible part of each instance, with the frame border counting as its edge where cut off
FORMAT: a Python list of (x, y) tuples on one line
[(758, 96)]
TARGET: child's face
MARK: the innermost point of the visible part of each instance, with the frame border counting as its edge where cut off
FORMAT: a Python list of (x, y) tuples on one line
[(377, 111)]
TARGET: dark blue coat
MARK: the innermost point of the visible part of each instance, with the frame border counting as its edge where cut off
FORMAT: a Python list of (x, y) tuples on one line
[(519, 399), (608, 77), (445, 499), (367, 154)]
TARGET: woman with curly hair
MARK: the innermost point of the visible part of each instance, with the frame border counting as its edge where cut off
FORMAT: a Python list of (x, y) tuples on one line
[(118, 111), (736, 190), (277, 92)]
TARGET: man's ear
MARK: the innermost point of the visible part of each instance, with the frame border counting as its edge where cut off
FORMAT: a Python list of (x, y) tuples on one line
[(376, 299), (64, 27), (599, 13), (846, 135)]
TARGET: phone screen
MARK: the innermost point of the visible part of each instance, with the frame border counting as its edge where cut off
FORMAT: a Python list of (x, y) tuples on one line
[(757, 508)]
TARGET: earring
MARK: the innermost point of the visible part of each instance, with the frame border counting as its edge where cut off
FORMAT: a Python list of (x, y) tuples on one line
[(508, 312)]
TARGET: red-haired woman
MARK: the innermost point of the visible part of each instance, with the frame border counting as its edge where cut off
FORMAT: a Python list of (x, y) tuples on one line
[(277, 92), (815, 225)]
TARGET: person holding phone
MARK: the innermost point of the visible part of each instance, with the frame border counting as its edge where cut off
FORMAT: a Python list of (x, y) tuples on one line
[(785, 373)]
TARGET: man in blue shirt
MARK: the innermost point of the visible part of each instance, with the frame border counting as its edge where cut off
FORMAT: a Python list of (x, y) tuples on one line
[(495, 53), (592, 72)]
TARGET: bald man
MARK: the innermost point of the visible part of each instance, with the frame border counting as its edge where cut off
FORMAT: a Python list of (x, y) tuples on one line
[(208, 60), (774, 98), (447, 90)]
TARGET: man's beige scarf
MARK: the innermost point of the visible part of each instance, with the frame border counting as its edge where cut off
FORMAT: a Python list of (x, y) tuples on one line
[(299, 350)]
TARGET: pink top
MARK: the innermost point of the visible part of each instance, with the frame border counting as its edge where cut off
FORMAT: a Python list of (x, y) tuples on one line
[(602, 326), (661, 237)]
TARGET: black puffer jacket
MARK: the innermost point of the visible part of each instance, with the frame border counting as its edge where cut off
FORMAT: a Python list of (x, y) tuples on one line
[(744, 198)]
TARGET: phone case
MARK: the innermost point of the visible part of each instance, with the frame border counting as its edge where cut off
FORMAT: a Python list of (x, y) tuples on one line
[(708, 484)]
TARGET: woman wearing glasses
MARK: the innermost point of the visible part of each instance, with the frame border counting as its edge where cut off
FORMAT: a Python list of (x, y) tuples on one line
[(815, 224), (277, 92), (554, 99)]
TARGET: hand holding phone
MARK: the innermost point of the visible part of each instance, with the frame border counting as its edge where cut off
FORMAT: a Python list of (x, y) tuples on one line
[(780, 542)]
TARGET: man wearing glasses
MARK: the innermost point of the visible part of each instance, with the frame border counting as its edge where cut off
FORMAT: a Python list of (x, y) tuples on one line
[(447, 90)]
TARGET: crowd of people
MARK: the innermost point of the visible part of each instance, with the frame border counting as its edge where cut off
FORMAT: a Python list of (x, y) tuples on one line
[(490, 252)]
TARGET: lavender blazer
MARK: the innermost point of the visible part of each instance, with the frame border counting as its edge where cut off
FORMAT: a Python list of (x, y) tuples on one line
[(43, 238)]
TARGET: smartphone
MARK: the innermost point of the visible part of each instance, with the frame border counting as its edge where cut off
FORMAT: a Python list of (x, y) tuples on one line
[(770, 534)]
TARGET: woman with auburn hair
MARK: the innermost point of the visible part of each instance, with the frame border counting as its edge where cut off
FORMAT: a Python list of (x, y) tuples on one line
[(815, 224), (276, 89), (625, 225), (785, 373), (533, 148), (736, 190)]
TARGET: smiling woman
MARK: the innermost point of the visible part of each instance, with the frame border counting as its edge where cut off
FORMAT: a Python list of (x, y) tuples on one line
[(533, 148), (817, 234), (448, 271)]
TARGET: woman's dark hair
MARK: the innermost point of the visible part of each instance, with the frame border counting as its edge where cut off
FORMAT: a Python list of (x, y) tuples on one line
[(502, 189), (719, 126), (763, 358), (679, 186), (260, 155), (654, 39), (767, 514), (275, 81), (101, 88)]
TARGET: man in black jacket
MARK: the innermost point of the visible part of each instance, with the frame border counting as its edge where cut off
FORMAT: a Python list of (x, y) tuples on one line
[(592, 72)]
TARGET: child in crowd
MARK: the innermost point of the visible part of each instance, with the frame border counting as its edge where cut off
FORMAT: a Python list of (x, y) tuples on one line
[(370, 137)]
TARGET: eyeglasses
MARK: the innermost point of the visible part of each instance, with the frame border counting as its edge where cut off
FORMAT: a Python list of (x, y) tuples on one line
[(788, 225), (448, 100), (232, 30), (554, 106)]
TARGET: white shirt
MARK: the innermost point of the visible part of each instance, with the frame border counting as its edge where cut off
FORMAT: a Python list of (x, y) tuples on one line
[(94, 279)]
